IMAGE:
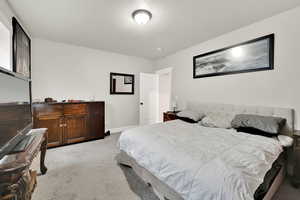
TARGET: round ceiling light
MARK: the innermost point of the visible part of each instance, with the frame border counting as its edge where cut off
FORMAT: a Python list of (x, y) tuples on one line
[(141, 16)]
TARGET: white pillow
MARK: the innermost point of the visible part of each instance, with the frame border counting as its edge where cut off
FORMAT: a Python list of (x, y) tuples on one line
[(285, 141), (191, 115), (217, 120)]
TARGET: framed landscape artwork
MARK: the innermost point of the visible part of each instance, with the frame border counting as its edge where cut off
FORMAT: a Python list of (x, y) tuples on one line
[(253, 55), (21, 50)]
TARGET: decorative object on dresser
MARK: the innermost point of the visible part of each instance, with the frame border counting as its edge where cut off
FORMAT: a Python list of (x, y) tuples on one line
[(296, 159), (253, 55), (170, 115), (74, 101), (121, 83), (69, 123), (21, 50), (18, 181), (49, 100)]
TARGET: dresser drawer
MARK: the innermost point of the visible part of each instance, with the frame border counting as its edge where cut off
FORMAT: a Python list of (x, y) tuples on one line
[(75, 109), (43, 110)]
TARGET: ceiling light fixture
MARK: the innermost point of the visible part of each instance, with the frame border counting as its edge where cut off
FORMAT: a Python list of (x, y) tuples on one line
[(142, 16)]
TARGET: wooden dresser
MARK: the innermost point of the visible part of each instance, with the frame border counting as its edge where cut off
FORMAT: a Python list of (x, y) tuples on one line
[(69, 123)]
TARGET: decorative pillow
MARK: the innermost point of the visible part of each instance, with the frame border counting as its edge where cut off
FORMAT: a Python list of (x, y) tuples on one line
[(217, 120), (254, 131), (285, 141), (195, 116), (266, 124), (186, 119)]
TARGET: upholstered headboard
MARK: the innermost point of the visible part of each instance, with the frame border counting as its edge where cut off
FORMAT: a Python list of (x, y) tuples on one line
[(286, 113)]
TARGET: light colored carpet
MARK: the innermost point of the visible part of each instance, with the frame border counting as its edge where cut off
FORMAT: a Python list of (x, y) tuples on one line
[(85, 171), (88, 171)]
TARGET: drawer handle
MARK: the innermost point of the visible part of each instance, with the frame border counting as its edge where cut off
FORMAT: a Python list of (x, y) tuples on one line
[(63, 125)]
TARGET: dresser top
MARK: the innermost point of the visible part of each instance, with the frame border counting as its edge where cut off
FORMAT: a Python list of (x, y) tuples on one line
[(52, 103)]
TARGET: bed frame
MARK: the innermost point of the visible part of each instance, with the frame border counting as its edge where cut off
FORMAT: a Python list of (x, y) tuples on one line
[(164, 192)]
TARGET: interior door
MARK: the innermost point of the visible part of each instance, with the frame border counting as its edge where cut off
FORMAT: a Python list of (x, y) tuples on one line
[(148, 98), (54, 124), (75, 128)]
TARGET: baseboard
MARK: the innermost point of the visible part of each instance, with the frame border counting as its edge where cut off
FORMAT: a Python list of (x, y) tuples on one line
[(120, 129)]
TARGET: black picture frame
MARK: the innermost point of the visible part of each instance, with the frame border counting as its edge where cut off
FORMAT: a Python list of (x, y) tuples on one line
[(270, 38), (112, 83), (21, 50)]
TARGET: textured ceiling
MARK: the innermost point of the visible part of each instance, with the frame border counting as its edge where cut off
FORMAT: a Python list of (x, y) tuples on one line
[(107, 24)]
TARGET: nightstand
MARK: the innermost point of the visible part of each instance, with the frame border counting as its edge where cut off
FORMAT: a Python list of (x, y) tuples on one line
[(170, 115), (296, 160)]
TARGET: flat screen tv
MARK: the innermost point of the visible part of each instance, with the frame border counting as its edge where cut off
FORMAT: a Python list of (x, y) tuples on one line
[(15, 111)]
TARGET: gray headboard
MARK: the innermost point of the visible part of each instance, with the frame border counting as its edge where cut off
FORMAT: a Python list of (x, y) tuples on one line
[(286, 113)]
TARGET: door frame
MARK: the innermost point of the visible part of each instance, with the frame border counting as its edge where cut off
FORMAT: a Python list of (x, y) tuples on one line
[(168, 70)]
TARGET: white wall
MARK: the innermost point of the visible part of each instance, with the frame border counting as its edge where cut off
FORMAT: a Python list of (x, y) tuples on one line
[(6, 15), (5, 47), (63, 71), (279, 87)]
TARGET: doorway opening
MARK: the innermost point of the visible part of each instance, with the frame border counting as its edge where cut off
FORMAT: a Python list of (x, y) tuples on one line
[(164, 91), (155, 95)]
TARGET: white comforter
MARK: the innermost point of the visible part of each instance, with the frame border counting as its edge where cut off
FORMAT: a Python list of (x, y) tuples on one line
[(202, 163)]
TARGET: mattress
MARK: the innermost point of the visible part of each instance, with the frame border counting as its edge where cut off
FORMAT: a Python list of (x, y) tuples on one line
[(202, 163)]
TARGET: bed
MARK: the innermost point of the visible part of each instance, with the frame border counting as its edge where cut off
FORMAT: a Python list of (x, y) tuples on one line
[(181, 160)]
